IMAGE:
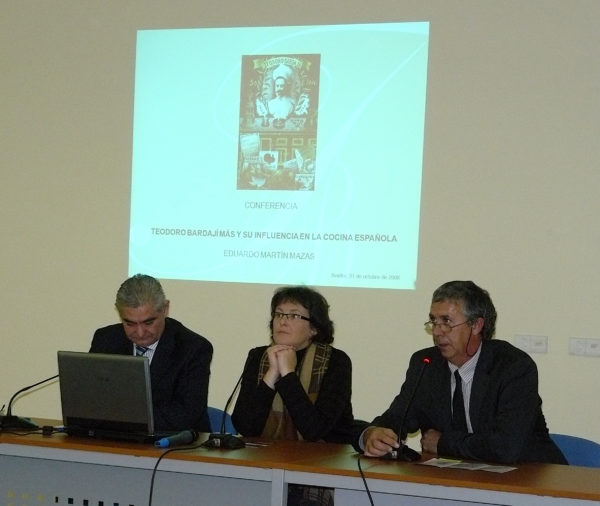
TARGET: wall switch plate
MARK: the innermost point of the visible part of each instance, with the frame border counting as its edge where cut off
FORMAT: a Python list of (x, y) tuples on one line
[(577, 346), (532, 343), (538, 344), (592, 347)]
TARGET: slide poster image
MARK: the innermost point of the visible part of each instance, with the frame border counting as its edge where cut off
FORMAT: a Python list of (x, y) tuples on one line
[(278, 122)]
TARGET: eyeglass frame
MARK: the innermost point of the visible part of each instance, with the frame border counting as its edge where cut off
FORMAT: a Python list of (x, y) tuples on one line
[(430, 326), (278, 315)]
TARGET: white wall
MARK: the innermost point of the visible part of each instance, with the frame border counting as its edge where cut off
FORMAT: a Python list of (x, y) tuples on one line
[(510, 189)]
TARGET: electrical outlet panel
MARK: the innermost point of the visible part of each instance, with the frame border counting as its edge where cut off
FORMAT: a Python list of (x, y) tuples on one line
[(584, 346), (532, 343)]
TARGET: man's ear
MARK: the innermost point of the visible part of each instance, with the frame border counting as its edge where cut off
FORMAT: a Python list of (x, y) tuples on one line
[(477, 326), (167, 308)]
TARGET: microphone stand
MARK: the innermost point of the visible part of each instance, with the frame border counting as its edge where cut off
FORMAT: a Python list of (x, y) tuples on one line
[(404, 452), (10, 421), (225, 439)]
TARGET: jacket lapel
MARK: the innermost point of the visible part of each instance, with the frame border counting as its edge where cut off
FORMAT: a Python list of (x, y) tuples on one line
[(439, 389), (445, 394), (481, 381), (161, 360)]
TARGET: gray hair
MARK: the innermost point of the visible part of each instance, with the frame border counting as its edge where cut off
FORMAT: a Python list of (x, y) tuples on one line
[(139, 290), (476, 302)]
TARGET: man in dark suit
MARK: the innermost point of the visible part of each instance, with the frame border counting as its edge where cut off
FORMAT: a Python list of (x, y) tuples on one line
[(499, 417), (179, 358)]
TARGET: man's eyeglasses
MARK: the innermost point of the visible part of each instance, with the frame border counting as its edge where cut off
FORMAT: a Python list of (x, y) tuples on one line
[(445, 327), (289, 316)]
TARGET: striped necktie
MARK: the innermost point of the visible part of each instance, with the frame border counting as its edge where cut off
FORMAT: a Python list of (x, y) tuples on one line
[(140, 350)]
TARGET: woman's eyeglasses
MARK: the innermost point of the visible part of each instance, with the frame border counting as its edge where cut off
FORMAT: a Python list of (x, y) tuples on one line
[(289, 316)]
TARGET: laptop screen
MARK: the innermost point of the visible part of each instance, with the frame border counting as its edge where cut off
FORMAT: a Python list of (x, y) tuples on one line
[(105, 395)]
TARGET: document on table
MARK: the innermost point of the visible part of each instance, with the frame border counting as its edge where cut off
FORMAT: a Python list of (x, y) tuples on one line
[(471, 466)]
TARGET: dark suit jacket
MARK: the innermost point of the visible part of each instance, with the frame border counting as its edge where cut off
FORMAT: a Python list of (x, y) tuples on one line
[(179, 372), (505, 407)]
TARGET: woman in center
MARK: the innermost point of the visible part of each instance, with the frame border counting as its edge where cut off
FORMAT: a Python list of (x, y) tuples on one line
[(298, 387)]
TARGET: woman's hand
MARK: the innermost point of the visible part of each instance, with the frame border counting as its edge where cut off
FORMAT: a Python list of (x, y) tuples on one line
[(286, 360), (274, 372)]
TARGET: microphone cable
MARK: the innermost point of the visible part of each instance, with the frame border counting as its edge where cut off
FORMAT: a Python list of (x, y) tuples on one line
[(364, 479), (404, 453), (158, 461)]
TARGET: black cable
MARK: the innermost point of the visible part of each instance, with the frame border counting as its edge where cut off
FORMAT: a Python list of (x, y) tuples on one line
[(22, 432), (362, 475), (163, 454), (46, 430), (155, 469)]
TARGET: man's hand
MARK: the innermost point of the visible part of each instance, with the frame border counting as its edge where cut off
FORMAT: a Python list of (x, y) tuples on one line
[(429, 441), (378, 441)]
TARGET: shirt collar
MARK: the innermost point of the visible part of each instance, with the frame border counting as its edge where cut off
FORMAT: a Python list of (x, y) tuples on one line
[(467, 370)]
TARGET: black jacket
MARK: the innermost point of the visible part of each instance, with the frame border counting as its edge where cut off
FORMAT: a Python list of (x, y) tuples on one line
[(505, 407), (179, 372)]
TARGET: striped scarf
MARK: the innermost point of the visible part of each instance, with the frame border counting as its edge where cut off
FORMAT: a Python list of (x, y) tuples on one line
[(311, 371)]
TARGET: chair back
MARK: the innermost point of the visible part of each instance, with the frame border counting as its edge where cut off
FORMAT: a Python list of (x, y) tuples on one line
[(215, 416), (577, 450)]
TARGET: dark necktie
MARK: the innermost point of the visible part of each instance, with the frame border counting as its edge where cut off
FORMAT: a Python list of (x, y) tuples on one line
[(459, 420), (140, 350)]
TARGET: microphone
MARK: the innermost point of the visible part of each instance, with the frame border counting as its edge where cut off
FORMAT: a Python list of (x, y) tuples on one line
[(182, 438), (9, 421), (404, 452), (224, 439)]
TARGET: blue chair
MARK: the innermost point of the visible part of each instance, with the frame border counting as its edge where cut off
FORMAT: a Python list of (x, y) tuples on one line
[(577, 450), (215, 416)]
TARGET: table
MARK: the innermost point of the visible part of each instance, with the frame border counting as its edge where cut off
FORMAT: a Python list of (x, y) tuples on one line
[(61, 469)]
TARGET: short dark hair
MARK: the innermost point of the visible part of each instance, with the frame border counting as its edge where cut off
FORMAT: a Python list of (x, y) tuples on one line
[(476, 303), (139, 290), (315, 304)]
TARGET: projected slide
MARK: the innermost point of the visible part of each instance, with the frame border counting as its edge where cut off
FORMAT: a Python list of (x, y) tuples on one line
[(279, 155)]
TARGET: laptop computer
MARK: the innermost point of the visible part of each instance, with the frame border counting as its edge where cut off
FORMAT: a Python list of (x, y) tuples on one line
[(106, 396)]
